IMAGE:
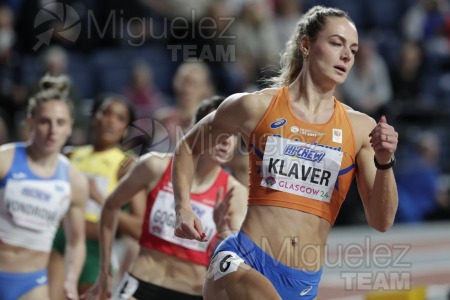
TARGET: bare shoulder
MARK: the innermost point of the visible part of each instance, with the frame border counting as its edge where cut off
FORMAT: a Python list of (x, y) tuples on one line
[(245, 110), (153, 163), (362, 125), (253, 100), (261, 97), (78, 180), (7, 156), (268, 92), (359, 119), (7, 150)]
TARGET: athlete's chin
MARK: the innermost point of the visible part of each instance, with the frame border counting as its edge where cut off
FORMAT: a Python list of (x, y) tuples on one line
[(340, 79), (50, 147), (337, 79)]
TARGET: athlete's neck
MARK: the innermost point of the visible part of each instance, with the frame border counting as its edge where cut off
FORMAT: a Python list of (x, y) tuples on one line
[(40, 158), (99, 146), (311, 95)]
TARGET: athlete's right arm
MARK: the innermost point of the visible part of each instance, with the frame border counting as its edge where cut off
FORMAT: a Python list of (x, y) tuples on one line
[(143, 175), (130, 222), (233, 116), (74, 230)]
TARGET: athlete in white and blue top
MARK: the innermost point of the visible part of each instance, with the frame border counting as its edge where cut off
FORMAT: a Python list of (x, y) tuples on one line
[(32, 206), (38, 189)]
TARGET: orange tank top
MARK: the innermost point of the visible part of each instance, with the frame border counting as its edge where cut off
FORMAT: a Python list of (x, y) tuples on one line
[(302, 166)]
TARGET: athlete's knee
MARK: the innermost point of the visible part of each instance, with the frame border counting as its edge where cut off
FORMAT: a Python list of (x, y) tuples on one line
[(208, 290)]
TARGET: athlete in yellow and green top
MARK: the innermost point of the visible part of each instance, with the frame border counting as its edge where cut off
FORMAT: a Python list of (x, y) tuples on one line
[(103, 162)]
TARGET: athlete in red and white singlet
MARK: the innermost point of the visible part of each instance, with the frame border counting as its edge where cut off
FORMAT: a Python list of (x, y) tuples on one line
[(169, 267)]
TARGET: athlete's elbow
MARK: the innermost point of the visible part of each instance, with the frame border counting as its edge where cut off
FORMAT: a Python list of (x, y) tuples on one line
[(382, 226)]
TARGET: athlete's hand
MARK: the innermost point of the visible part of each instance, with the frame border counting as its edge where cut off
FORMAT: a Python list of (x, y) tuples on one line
[(384, 140), (99, 291), (71, 290), (221, 212), (188, 225)]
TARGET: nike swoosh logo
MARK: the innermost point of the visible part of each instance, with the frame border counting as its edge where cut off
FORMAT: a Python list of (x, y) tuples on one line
[(41, 280), (306, 291), (19, 175)]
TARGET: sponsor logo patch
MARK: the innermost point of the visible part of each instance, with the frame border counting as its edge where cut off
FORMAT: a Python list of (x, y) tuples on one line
[(278, 123)]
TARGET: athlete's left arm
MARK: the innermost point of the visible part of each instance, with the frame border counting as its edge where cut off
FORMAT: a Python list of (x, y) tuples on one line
[(229, 212), (74, 228), (131, 222), (238, 206), (377, 187)]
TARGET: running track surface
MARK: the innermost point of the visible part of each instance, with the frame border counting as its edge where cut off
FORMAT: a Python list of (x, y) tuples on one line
[(360, 260)]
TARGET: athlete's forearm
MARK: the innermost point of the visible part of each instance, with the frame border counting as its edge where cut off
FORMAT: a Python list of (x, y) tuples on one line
[(183, 168), (108, 228), (384, 201), (74, 258)]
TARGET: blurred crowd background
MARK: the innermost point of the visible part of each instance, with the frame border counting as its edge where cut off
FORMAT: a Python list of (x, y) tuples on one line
[(166, 56)]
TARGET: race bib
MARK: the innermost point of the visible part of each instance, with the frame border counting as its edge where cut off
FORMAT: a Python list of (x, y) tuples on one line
[(36, 205), (300, 168), (162, 221)]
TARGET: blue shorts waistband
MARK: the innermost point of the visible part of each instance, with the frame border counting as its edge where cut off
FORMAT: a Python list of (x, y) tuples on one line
[(23, 276)]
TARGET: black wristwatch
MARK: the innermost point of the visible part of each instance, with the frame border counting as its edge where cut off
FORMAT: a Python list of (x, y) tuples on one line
[(385, 166)]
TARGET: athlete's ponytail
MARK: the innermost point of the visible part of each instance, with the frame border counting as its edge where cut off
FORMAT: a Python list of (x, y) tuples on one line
[(59, 83), (51, 88)]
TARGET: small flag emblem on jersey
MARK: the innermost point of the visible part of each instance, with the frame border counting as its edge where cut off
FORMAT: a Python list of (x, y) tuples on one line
[(337, 135)]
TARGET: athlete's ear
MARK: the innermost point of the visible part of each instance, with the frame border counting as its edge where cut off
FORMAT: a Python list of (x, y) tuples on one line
[(304, 45)]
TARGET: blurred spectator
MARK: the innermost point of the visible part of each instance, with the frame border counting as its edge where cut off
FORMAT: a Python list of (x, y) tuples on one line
[(368, 86), (12, 95), (287, 15), (425, 21), (4, 136), (142, 92), (191, 84), (407, 78), (20, 127), (182, 20), (418, 180), (186, 9), (256, 39), (55, 61), (219, 39)]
